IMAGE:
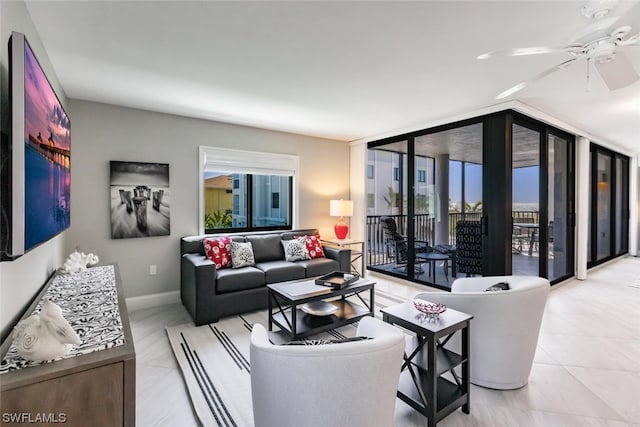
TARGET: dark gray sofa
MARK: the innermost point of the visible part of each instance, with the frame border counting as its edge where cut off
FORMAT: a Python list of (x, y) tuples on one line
[(209, 294)]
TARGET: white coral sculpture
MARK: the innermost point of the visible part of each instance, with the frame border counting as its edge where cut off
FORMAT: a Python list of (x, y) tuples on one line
[(44, 336), (78, 261)]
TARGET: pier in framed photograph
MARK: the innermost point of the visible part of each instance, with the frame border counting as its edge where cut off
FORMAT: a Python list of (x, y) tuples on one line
[(140, 199)]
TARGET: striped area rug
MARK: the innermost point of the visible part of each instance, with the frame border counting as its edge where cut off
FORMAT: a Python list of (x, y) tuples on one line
[(214, 360)]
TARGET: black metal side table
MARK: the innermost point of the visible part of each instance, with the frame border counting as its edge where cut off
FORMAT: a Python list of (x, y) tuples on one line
[(356, 254), (422, 385)]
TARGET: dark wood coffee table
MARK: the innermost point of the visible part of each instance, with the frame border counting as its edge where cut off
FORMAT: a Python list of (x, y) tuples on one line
[(285, 311)]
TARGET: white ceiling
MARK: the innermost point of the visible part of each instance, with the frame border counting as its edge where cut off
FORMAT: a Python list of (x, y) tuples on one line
[(343, 70)]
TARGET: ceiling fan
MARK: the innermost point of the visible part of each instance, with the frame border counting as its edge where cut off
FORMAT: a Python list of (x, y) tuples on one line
[(600, 43)]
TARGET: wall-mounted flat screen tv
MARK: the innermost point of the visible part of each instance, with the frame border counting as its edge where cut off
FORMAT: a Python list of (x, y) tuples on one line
[(40, 153)]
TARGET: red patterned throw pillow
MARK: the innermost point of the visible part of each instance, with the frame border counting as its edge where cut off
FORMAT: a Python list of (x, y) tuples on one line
[(218, 251), (314, 247)]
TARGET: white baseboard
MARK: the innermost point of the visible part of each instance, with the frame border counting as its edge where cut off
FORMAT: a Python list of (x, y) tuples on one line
[(153, 300)]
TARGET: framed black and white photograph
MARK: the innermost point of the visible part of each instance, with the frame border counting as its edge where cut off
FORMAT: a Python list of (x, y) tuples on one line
[(140, 199)]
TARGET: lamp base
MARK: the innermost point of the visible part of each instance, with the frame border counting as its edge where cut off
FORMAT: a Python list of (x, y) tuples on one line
[(341, 229)]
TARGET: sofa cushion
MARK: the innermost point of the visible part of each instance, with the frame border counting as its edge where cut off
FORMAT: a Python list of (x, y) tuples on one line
[(281, 271), (295, 249), (266, 247), (242, 254), (218, 251), (319, 266), (229, 280), (288, 235)]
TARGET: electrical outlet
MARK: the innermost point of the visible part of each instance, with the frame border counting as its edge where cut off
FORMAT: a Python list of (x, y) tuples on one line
[(152, 270)]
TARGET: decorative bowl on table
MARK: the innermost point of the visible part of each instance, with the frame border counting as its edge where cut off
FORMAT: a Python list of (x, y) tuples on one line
[(319, 308), (429, 309)]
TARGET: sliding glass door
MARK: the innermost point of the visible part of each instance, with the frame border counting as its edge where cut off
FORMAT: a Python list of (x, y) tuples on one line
[(609, 199)]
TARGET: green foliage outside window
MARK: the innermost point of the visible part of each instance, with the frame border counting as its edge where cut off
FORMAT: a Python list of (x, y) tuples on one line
[(217, 219)]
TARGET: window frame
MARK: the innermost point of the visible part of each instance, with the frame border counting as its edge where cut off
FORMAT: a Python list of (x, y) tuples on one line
[(215, 159)]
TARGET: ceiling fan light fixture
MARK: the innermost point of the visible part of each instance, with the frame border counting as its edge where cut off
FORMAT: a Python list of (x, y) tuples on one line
[(598, 9), (602, 52)]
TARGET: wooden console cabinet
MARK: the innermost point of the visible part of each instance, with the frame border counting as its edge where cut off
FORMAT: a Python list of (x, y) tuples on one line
[(96, 389)]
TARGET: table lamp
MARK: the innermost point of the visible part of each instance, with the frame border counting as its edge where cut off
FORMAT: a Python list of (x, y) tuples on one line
[(341, 208)]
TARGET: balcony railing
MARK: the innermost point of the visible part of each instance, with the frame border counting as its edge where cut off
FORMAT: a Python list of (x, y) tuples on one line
[(378, 252)]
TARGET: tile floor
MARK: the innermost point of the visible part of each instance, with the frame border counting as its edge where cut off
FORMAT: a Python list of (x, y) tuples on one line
[(586, 370)]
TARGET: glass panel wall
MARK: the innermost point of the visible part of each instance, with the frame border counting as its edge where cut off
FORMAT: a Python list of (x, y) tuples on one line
[(603, 206), (386, 187), (441, 201), (560, 205), (423, 187), (525, 211), (465, 193), (622, 205)]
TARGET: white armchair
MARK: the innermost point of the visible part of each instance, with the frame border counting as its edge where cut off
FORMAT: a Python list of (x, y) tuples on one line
[(352, 383), (505, 325)]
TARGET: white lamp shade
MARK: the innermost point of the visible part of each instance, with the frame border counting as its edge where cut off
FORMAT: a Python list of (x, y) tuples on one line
[(341, 208)]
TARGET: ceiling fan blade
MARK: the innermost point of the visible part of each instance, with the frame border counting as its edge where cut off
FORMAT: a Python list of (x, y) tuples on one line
[(618, 73), (537, 50), (537, 77), (630, 41)]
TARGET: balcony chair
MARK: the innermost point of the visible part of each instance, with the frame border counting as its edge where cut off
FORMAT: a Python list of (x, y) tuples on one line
[(346, 384), (398, 245), (504, 329)]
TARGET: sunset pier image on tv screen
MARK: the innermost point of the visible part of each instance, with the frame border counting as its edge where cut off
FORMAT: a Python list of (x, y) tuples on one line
[(47, 157)]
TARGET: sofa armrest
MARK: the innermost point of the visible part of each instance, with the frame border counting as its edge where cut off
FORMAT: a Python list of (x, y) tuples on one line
[(197, 284), (343, 256)]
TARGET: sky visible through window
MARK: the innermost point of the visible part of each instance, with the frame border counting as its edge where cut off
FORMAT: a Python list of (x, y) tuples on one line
[(525, 184)]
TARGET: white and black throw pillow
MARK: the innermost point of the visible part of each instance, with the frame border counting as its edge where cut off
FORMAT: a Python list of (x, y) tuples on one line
[(501, 286), (242, 254), (320, 341), (295, 249)]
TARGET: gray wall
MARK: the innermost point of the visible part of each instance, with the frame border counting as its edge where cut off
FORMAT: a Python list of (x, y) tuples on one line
[(103, 132), (21, 279)]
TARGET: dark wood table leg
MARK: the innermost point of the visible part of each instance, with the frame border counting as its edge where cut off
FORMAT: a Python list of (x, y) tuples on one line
[(372, 302), (466, 367), (270, 310), (432, 382), (294, 323)]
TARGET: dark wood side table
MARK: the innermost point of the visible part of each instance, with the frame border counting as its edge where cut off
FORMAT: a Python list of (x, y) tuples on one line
[(422, 385)]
